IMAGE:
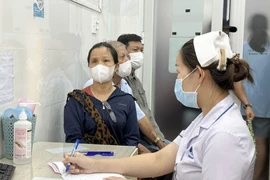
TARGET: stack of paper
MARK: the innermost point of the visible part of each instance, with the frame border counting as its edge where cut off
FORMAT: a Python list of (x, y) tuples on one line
[(58, 167)]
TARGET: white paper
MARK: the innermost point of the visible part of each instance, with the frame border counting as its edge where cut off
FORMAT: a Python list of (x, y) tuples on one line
[(96, 176), (42, 178), (65, 149), (6, 78), (58, 167)]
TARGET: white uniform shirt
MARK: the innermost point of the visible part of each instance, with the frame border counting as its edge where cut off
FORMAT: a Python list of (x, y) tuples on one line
[(216, 147), (124, 87)]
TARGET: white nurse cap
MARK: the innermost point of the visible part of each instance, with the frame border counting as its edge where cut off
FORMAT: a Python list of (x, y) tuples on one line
[(211, 47)]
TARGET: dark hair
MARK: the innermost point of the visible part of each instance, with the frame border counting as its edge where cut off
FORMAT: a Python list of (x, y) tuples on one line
[(125, 38), (106, 45), (259, 38), (236, 70)]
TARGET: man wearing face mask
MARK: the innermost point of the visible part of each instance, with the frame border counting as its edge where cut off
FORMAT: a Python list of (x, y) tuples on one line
[(134, 48), (123, 71)]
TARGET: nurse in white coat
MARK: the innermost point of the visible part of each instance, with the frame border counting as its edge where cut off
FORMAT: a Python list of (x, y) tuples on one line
[(217, 145)]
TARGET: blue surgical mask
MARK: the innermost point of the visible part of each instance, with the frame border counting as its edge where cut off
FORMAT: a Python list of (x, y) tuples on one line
[(188, 99)]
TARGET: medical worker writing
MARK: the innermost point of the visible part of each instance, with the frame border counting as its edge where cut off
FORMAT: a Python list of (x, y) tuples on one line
[(217, 145)]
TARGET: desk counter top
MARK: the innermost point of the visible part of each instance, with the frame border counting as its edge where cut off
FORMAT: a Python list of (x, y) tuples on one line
[(46, 152)]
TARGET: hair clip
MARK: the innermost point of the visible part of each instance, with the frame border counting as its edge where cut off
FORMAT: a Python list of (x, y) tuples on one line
[(222, 63), (235, 58)]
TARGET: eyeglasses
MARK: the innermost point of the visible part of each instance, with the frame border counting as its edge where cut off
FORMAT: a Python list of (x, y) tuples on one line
[(111, 113)]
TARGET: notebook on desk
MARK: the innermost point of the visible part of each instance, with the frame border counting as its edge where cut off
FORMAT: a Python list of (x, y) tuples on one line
[(59, 168)]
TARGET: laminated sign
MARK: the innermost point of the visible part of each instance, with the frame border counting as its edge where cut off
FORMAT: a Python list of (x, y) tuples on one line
[(38, 8)]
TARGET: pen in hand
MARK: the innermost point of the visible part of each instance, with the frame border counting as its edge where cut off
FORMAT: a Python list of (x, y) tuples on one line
[(73, 152)]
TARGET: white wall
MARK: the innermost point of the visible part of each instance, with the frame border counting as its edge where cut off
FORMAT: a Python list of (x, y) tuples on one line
[(50, 53)]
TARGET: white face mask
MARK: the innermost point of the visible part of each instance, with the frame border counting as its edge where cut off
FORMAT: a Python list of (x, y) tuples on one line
[(124, 69), (136, 60), (101, 73)]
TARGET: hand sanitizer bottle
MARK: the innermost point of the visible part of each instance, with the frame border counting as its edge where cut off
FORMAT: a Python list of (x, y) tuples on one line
[(22, 138)]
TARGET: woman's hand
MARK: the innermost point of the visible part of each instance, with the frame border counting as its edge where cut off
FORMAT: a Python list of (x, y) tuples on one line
[(249, 113), (80, 164), (114, 178), (161, 144), (142, 149)]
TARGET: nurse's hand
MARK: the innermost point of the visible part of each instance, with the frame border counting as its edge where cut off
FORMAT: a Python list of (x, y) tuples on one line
[(114, 178), (80, 164), (249, 113)]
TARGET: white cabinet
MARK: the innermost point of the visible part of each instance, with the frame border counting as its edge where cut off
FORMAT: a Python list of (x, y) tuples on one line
[(191, 17)]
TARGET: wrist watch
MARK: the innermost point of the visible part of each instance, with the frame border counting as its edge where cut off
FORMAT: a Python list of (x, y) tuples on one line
[(247, 105), (157, 139)]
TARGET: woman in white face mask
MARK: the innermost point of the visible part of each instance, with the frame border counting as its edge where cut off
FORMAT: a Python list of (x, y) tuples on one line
[(124, 66), (101, 113), (217, 145)]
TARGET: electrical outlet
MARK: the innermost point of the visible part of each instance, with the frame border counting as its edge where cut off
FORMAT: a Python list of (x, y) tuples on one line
[(94, 24)]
